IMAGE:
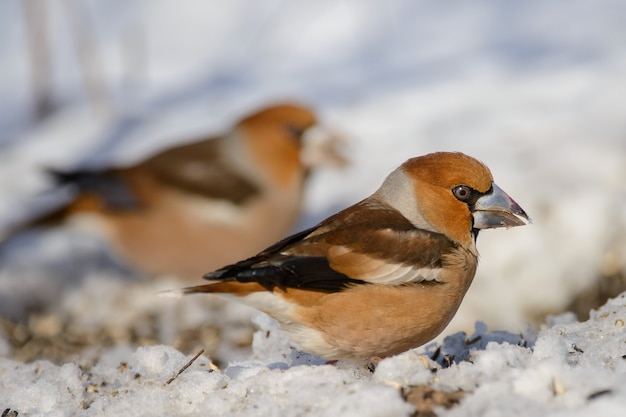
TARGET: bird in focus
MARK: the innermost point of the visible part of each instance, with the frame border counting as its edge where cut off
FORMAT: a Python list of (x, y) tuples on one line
[(384, 275), (206, 203)]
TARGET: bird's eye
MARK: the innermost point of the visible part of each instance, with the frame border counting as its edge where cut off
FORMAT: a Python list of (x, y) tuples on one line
[(294, 131), (462, 192)]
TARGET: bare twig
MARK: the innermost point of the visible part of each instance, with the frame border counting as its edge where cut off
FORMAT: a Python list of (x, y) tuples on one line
[(36, 25), (187, 365), (89, 56)]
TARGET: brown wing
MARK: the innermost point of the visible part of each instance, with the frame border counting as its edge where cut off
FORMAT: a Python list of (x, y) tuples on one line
[(373, 244), (198, 168)]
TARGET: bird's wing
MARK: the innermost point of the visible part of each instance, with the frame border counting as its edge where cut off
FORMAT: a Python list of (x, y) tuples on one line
[(195, 168), (109, 186), (374, 244), (198, 168)]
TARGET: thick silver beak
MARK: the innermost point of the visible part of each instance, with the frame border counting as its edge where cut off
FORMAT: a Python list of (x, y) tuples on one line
[(321, 146), (497, 209)]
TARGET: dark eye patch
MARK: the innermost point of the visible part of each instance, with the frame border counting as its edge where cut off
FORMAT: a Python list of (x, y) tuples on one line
[(468, 195), (295, 131)]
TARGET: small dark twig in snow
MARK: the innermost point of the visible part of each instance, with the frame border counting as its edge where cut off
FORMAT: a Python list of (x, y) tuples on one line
[(187, 365)]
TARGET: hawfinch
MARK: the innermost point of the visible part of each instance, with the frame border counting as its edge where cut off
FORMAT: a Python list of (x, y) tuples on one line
[(208, 203), (384, 275)]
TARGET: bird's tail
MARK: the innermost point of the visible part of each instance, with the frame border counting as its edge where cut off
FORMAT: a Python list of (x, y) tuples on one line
[(179, 292), (217, 287)]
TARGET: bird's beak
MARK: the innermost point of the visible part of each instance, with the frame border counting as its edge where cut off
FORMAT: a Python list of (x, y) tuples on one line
[(497, 209), (322, 146)]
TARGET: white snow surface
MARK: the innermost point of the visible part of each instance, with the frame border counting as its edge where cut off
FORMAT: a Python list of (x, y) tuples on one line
[(574, 369), (535, 89)]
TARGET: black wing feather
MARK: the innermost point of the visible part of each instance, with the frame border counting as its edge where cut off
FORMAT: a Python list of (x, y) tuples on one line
[(303, 272), (312, 273), (108, 185)]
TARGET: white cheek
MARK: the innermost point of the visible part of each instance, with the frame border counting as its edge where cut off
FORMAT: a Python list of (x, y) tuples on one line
[(397, 191)]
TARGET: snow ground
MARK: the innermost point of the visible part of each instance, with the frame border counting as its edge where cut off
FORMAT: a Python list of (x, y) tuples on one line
[(534, 89), (573, 368)]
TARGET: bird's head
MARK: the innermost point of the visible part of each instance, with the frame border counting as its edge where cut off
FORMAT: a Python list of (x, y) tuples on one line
[(451, 193), (288, 140)]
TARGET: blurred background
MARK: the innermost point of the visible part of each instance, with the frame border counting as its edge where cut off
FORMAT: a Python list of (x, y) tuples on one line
[(535, 89)]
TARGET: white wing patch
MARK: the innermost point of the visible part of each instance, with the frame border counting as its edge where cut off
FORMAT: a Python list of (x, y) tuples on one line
[(396, 274), (379, 271), (210, 210)]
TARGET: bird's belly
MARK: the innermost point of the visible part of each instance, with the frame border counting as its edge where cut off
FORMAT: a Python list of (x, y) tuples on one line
[(190, 238), (377, 320)]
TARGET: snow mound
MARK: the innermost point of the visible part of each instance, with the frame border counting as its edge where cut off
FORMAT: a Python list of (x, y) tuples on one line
[(568, 368)]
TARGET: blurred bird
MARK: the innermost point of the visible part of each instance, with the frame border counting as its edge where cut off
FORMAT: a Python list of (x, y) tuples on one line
[(208, 203), (384, 275)]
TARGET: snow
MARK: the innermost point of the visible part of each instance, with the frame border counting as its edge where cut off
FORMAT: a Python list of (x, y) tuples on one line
[(573, 368), (534, 89)]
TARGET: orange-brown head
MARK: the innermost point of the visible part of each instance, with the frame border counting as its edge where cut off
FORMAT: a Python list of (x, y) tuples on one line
[(450, 193), (279, 140)]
